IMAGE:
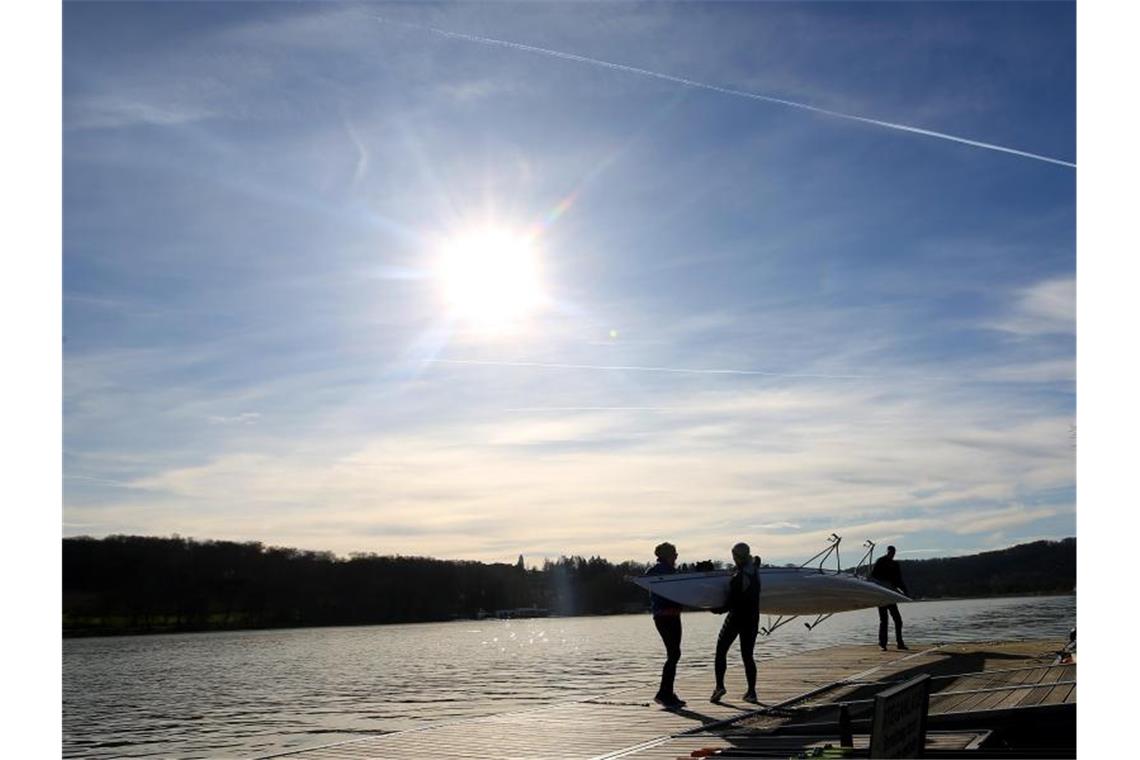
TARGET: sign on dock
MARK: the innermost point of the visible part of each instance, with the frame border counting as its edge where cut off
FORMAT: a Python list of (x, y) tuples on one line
[(898, 728)]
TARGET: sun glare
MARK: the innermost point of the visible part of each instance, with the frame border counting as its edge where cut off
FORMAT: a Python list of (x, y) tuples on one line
[(490, 278)]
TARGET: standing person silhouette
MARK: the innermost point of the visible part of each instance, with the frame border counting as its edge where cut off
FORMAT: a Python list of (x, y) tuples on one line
[(667, 619), (886, 571), (743, 620)]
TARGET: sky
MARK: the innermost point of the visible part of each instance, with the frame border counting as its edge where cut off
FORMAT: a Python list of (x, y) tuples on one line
[(480, 280)]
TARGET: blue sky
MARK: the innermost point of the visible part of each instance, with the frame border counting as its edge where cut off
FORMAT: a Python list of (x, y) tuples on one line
[(759, 322)]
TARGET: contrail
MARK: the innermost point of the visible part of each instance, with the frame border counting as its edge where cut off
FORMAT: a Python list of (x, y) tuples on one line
[(630, 368), (730, 91)]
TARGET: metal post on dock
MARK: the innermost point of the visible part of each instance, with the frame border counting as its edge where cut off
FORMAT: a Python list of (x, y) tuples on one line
[(845, 735)]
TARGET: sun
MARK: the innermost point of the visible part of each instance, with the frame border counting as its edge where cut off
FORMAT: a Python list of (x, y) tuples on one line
[(490, 278)]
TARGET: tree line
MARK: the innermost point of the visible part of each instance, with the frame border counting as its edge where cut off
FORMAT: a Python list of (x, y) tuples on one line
[(1041, 567), (141, 584)]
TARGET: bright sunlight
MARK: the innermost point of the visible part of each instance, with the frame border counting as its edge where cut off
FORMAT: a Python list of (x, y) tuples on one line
[(490, 278)]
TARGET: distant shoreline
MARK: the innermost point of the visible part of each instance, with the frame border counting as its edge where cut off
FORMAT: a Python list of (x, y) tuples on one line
[(143, 585)]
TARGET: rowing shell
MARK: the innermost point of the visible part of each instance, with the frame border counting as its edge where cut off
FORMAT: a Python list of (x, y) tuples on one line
[(783, 591)]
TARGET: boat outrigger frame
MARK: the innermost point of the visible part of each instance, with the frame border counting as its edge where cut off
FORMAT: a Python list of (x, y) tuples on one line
[(833, 541)]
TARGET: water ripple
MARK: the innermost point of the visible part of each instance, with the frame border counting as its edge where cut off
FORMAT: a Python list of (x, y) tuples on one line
[(242, 694)]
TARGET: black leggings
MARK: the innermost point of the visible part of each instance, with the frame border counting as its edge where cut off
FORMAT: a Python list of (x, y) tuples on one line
[(894, 610), (669, 626), (745, 627)]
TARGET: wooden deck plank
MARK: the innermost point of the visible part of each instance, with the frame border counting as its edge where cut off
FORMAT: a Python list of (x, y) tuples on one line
[(962, 702), (1062, 698), (1013, 697), (683, 747), (1045, 687), (1060, 693), (625, 722)]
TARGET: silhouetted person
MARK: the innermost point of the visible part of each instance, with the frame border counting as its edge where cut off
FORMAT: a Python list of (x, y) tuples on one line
[(743, 620), (667, 618), (887, 572)]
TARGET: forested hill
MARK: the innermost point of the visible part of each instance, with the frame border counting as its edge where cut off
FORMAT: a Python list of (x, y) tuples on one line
[(1042, 567), (136, 584)]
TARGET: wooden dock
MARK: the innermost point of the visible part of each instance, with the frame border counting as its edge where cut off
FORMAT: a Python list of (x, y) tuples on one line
[(971, 683)]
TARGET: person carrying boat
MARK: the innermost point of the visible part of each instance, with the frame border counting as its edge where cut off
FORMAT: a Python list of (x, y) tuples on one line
[(667, 619), (743, 620), (887, 572)]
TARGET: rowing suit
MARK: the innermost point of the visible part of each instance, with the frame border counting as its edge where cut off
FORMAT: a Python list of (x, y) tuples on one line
[(667, 619), (743, 620)]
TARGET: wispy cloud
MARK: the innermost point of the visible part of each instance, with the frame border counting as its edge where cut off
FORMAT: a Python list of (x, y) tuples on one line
[(819, 456), (995, 520), (114, 111), (775, 526), (1047, 307), (635, 368), (1044, 371), (477, 89), (243, 418)]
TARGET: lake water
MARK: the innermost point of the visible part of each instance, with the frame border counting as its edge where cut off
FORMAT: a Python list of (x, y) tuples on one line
[(245, 694)]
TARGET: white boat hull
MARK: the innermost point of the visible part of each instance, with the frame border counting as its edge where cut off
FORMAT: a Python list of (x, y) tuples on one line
[(701, 590), (783, 591)]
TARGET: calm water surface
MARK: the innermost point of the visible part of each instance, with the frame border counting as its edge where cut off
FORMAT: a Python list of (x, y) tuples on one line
[(244, 694)]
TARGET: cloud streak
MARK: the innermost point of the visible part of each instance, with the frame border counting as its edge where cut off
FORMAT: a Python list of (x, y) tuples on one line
[(783, 466), (730, 91), (1046, 307), (635, 368)]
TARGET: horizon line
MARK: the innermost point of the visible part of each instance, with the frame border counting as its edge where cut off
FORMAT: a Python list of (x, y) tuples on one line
[(348, 557)]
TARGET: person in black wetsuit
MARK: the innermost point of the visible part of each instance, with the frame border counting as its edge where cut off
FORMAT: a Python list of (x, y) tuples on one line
[(667, 618), (743, 620), (886, 571)]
